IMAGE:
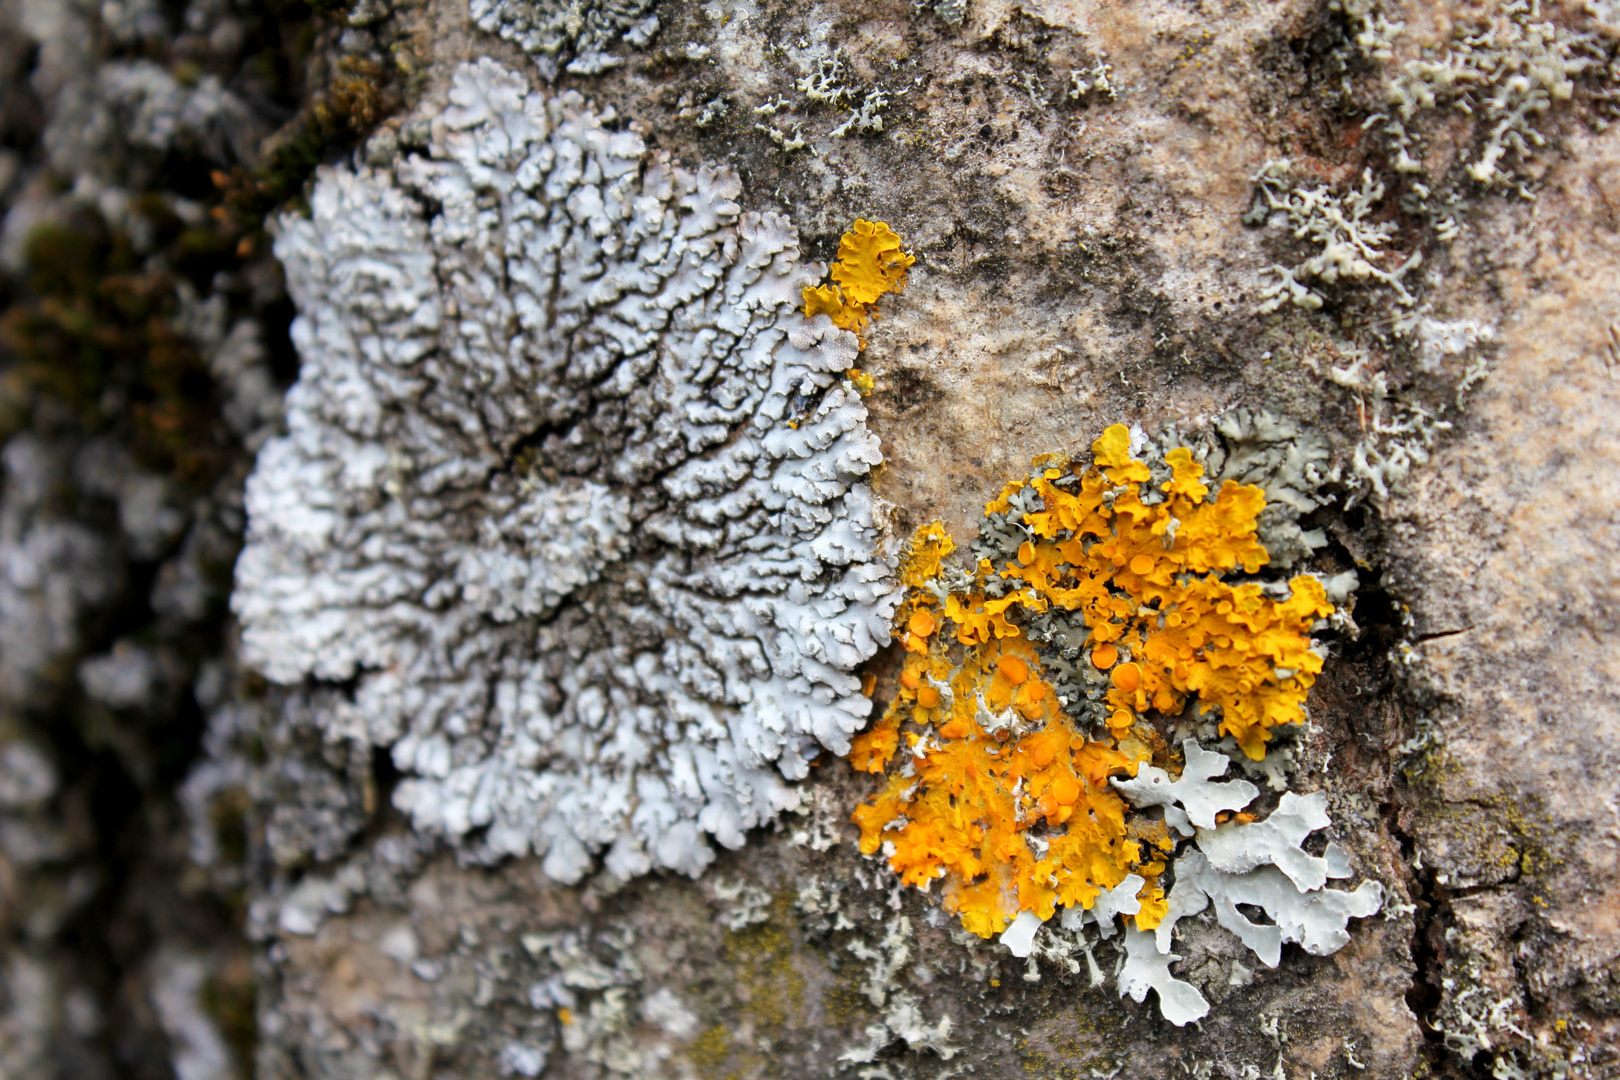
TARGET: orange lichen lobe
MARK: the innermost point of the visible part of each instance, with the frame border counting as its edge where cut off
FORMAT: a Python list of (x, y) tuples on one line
[(1013, 669), (870, 264), (972, 798), (1003, 796)]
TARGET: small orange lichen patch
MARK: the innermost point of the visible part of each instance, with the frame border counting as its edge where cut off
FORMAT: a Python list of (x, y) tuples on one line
[(1001, 795), (1146, 577), (1013, 669), (995, 760), (870, 262), (869, 265)]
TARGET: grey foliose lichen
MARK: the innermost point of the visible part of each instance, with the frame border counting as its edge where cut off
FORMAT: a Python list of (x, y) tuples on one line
[(952, 11), (570, 491), (568, 35), (1238, 865), (1290, 462)]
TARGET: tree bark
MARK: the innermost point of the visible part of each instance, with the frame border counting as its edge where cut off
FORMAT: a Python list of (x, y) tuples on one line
[(1388, 228)]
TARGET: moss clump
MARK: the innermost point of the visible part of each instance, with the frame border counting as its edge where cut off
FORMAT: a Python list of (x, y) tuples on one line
[(359, 95), (761, 956), (709, 1051), (228, 996), (94, 331)]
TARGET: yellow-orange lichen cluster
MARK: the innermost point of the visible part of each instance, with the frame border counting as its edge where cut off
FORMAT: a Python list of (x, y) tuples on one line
[(1000, 794), (869, 264)]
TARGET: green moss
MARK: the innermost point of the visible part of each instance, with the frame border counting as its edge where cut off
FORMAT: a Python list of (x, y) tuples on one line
[(768, 997), (761, 956), (359, 94), (94, 332), (709, 1051), (228, 817), (845, 999), (90, 332), (1033, 1061), (228, 997)]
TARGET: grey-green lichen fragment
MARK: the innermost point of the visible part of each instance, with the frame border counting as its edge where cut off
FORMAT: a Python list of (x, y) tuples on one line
[(1503, 69), (1352, 243), (1237, 865), (1286, 460), (1289, 461), (569, 35)]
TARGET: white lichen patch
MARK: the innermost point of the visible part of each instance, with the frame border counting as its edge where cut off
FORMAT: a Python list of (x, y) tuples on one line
[(1019, 938), (607, 1020), (1314, 919), (742, 904), (1503, 71), (1401, 433), (903, 1021), (1237, 848), (570, 495), (1352, 245), (1146, 968), (1199, 795), (868, 117), (1236, 865), (575, 36)]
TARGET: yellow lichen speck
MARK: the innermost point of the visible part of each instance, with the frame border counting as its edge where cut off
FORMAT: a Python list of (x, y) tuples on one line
[(1001, 793)]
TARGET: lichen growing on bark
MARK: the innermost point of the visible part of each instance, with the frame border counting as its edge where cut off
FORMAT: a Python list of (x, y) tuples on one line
[(568, 35), (570, 491), (1014, 787)]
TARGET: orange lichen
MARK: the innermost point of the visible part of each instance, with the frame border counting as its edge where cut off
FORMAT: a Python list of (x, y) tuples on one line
[(973, 793), (1146, 580), (870, 262), (1002, 796), (869, 265)]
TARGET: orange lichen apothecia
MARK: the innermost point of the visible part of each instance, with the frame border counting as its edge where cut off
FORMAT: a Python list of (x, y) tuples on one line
[(870, 264), (1002, 792)]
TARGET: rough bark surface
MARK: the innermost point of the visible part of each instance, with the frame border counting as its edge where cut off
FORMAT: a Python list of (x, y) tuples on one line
[(202, 876)]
